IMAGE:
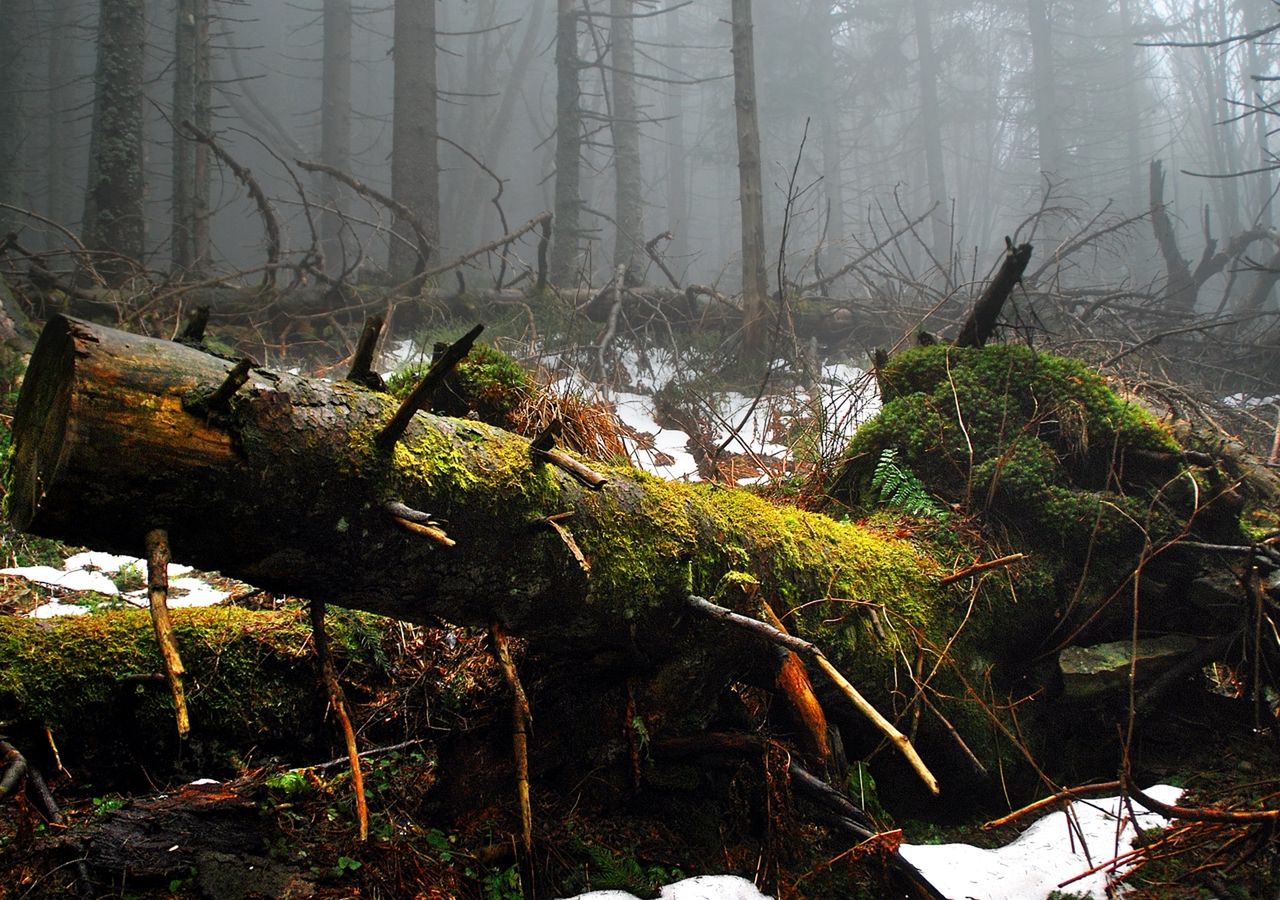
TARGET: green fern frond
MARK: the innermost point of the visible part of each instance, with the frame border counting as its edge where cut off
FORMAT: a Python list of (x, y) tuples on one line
[(900, 488)]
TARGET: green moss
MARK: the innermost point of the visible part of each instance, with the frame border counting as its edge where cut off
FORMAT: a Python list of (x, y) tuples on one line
[(487, 384), (250, 679), (1038, 441)]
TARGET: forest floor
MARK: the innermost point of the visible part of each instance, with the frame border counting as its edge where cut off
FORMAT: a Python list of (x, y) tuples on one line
[(275, 822)]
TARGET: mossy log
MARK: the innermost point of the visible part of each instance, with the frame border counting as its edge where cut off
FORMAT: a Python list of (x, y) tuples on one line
[(285, 486)]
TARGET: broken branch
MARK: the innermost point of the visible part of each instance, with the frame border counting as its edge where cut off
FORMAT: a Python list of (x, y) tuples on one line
[(769, 633)]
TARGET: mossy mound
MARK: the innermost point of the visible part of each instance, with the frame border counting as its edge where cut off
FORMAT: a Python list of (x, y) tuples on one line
[(251, 682), (488, 385), (1039, 441)]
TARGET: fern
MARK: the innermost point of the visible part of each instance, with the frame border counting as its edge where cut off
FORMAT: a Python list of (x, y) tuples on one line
[(899, 488)]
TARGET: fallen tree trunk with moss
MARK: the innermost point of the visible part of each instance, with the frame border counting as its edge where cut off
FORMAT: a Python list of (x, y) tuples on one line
[(305, 487)]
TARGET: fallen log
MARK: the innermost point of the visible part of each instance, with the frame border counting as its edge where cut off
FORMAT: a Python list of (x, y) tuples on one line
[(286, 486)]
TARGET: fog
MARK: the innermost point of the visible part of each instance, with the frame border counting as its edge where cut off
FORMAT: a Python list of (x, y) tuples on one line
[(1037, 119)]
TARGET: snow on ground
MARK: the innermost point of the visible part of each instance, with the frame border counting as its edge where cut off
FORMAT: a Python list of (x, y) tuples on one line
[(92, 571), (1049, 856), (704, 887)]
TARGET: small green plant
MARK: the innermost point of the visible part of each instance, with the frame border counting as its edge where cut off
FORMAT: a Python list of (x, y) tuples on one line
[(104, 805), (345, 866), (129, 577), (900, 488), (504, 884), (290, 783)]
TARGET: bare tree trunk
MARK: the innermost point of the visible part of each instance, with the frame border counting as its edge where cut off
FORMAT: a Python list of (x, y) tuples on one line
[(628, 249), (755, 285), (191, 103), (13, 122), (568, 199), (465, 210), (59, 77), (1046, 104), (829, 122), (677, 152), (335, 119), (931, 130), (415, 167), (113, 216)]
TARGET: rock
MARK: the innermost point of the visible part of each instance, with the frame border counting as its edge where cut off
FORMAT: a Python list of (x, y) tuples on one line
[(1089, 673)]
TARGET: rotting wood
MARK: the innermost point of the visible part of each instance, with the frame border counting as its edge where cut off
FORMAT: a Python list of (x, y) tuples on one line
[(981, 323), (794, 683), (157, 546)]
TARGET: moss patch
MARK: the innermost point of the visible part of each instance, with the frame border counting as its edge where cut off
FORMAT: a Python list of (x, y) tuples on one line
[(250, 681)]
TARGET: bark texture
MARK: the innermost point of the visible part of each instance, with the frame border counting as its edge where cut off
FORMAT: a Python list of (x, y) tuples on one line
[(568, 198), (755, 284), (415, 166), (113, 214)]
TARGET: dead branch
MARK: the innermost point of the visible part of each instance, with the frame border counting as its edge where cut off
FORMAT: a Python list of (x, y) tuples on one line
[(157, 544), (265, 210), (803, 647), (338, 700)]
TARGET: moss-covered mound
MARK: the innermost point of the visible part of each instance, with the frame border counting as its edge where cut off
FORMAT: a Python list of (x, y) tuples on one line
[(487, 384), (251, 682), (1045, 456)]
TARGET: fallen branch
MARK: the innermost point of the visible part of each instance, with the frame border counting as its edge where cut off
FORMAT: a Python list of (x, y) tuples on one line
[(338, 701), (1052, 800), (157, 544), (521, 725), (978, 567), (245, 177), (803, 647)]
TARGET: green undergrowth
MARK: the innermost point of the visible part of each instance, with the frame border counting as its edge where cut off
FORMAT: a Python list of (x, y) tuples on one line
[(251, 681)]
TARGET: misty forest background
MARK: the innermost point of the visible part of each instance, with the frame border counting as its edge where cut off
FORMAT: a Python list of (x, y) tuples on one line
[(898, 144)]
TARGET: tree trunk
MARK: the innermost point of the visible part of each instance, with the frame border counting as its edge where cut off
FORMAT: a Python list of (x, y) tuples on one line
[(829, 122), (931, 131), (335, 122), (60, 79), (11, 111), (191, 103), (1045, 101), (568, 199), (415, 167), (113, 214), (628, 249), (677, 152), (755, 284)]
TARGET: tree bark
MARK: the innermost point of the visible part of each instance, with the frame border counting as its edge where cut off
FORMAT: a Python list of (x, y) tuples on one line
[(415, 166), (628, 250), (191, 103), (568, 199), (335, 120), (677, 151), (113, 214), (755, 284)]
